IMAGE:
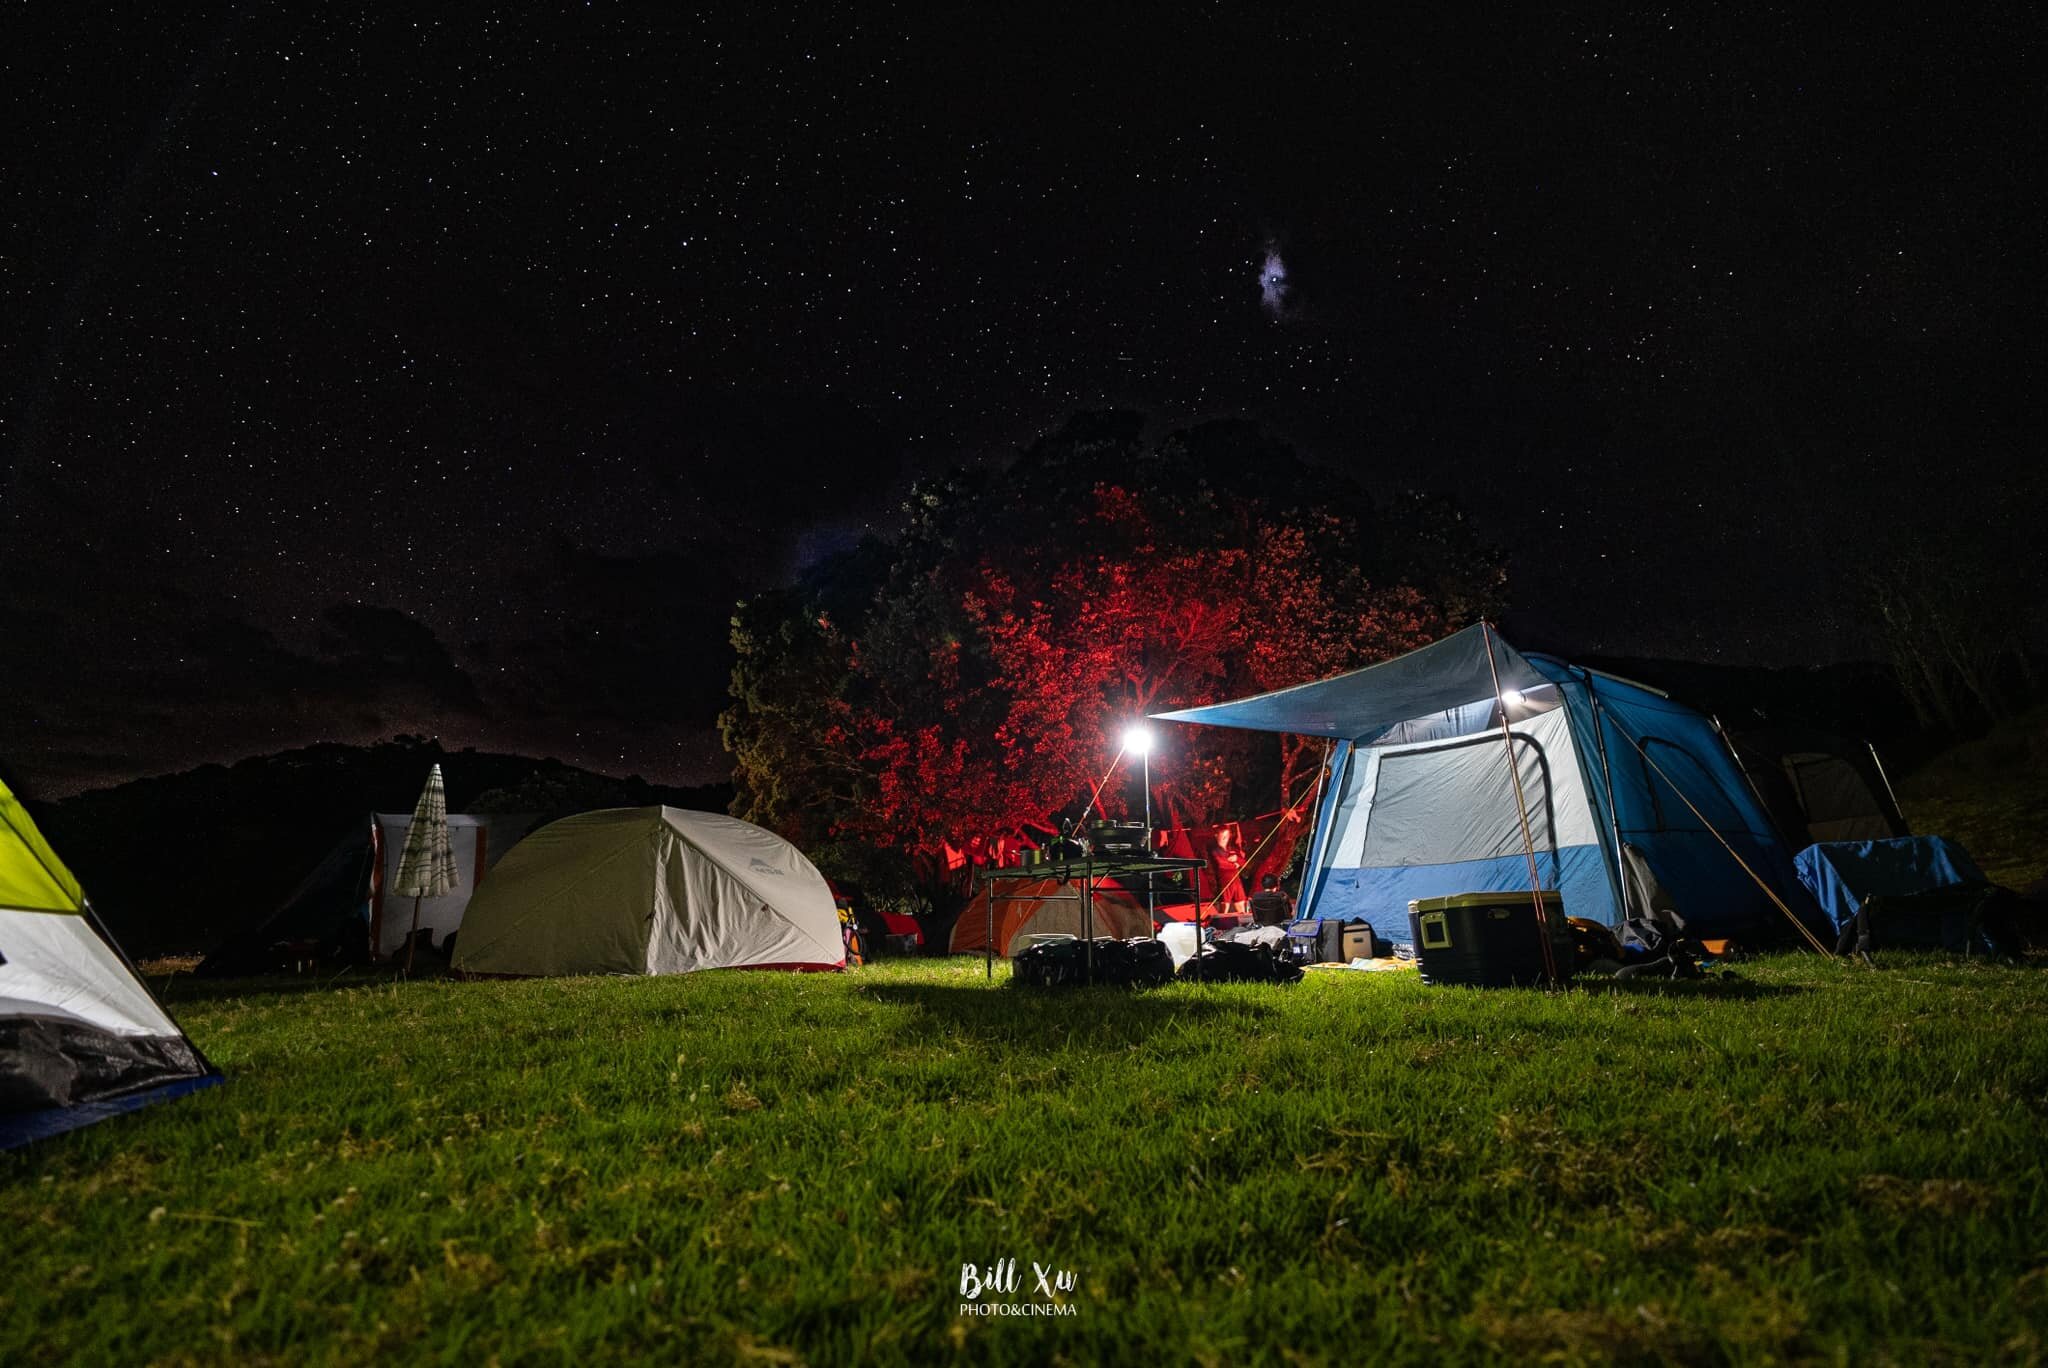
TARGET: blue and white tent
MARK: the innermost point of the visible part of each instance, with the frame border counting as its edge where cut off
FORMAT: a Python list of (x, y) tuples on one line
[(1421, 803)]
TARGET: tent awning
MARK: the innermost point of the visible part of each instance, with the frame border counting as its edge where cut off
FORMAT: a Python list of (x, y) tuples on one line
[(1443, 675)]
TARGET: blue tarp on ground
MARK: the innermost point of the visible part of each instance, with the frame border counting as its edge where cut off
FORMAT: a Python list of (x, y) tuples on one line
[(20, 1128), (1841, 875)]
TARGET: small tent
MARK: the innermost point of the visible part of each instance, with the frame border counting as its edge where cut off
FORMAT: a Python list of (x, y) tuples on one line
[(1421, 802), (81, 1036), (653, 890), (1819, 787), (340, 910), (1041, 907)]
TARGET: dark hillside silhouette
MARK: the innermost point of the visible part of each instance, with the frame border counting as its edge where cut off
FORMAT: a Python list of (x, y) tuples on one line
[(175, 863)]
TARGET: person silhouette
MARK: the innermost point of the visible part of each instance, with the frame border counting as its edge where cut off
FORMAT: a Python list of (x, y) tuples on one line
[(1271, 907), (1227, 860)]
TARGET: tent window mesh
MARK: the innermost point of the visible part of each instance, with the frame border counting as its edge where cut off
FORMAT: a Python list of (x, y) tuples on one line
[(1454, 802)]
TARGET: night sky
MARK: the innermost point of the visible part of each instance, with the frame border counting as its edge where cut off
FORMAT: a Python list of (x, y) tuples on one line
[(368, 375)]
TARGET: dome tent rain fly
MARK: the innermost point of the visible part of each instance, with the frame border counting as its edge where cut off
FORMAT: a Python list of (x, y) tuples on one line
[(654, 890)]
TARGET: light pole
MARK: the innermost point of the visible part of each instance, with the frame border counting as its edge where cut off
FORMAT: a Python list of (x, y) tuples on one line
[(1138, 737)]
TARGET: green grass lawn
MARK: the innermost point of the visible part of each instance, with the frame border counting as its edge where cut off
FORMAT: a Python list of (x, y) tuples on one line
[(1817, 1162), (1991, 794), (2003, 824)]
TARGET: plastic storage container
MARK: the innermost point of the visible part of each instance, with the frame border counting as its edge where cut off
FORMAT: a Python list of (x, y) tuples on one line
[(1488, 940), (1314, 941), (1343, 942)]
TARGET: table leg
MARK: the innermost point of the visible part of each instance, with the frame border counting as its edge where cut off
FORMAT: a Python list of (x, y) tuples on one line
[(1088, 919)]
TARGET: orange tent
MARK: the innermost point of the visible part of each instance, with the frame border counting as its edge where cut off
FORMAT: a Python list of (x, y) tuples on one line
[(1040, 907)]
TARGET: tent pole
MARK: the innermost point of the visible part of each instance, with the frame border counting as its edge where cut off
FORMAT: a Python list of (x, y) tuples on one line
[(1315, 795), (1083, 819), (1507, 737), (1151, 911), (1749, 781), (1898, 813), (1607, 779), (412, 936), (1088, 915), (1319, 836)]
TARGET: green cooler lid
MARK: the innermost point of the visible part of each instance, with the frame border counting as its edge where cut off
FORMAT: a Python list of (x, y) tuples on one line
[(1511, 897)]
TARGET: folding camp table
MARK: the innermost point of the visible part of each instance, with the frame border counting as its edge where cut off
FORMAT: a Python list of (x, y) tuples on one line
[(1088, 871)]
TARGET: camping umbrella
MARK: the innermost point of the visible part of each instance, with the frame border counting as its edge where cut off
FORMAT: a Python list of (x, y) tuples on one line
[(426, 867)]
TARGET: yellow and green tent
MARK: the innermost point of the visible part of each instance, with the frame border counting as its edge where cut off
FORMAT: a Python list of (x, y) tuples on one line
[(81, 1036)]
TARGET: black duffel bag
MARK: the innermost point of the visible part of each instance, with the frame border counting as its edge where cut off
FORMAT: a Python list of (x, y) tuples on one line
[(1231, 962), (1140, 962)]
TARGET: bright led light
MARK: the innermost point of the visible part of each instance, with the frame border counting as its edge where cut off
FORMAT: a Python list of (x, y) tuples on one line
[(1511, 697), (1138, 739)]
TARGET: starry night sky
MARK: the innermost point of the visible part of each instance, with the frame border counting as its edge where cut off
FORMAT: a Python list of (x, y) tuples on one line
[(372, 374)]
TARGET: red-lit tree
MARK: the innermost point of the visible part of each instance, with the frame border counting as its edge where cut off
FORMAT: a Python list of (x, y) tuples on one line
[(975, 691)]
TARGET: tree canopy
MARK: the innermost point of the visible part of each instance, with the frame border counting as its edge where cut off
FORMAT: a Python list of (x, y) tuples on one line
[(968, 683)]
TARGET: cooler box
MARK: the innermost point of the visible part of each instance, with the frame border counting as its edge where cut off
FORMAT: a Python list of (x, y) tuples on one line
[(1488, 940)]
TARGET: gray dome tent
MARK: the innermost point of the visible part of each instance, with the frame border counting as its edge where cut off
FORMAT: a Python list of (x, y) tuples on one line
[(653, 890)]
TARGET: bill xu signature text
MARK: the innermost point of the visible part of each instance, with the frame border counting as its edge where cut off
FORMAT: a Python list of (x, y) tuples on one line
[(993, 1289)]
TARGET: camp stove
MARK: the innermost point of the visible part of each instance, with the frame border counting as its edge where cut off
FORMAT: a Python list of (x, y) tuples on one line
[(1119, 838)]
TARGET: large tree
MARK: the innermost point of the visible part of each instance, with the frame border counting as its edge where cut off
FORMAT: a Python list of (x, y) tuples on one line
[(1951, 626), (968, 683)]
